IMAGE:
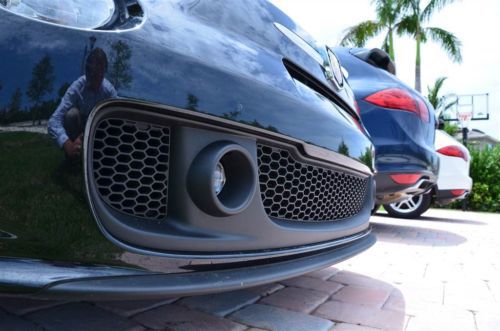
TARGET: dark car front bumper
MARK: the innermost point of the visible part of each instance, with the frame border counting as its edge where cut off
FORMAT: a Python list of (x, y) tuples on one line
[(66, 281), (183, 100), (285, 197), (157, 256)]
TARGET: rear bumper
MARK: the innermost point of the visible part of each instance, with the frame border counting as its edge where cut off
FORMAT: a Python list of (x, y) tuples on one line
[(444, 197), (117, 284), (403, 144), (454, 180), (389, 192)]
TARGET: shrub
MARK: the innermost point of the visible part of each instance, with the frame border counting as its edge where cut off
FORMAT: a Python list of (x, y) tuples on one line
[(451, 129), (485, 173)]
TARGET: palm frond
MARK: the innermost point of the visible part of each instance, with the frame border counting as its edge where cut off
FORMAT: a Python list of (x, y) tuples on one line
[(410, 7), (448, 41), (359, 34), (387, 11), (432, 7), (433, 92), (407, 26), (449, 104)]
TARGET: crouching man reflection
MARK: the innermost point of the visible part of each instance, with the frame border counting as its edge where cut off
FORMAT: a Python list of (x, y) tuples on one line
[(67, 123)]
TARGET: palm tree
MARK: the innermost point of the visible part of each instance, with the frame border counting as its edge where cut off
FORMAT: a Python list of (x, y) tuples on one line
[(442, 104), (413, 24), (439, 102), (388, 16)]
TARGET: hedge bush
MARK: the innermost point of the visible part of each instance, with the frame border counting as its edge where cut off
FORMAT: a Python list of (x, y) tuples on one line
[(485, 173)]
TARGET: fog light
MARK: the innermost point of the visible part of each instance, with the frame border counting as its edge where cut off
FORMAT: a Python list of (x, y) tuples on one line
[(218, 178), (222, 179)]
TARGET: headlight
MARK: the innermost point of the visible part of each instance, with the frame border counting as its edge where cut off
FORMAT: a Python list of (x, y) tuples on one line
[(82, 14)]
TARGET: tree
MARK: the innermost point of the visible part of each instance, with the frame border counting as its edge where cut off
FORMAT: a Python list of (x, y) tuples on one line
[(413, 24), (367, 157), (16, 100), (192, 102), (119, 69), (343, 148), (388, 18), (2, 111), (441, 103), (438, 101), (14, 106), (42, 79)]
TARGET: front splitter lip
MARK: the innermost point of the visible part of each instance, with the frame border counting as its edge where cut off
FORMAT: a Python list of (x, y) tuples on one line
[(159, 286), (249, 255)]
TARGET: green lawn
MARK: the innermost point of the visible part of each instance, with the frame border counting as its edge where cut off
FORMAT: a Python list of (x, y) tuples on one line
[(42, 201)]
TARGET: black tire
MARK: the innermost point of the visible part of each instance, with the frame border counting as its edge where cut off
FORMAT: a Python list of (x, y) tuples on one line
[(410, 209), (375, 209)]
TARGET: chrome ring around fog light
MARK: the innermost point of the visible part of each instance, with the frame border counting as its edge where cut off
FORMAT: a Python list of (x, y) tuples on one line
[(238, 185)]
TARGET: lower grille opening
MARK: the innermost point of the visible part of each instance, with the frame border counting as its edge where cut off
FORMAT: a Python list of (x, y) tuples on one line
[(297, 191), (130, 166)]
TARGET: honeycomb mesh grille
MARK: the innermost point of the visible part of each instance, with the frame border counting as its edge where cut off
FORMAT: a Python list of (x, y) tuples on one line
[(297, 191), (130, 166)]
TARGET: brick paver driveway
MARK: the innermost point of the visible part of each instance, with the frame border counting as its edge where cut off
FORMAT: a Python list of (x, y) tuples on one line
[(441, 272)]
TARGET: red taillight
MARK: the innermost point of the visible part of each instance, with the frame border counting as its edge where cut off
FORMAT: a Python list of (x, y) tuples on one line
[(405, 179), (423, 110), (457, 193), (455, 151), (395, 98)]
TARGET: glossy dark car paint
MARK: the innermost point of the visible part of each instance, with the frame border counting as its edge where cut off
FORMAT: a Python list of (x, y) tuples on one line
[(202, 67), (404, 143)]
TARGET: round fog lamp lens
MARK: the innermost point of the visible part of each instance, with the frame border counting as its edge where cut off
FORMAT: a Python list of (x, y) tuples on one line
[(218, 178)]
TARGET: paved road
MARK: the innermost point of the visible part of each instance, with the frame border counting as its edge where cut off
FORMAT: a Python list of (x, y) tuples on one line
[(438, 273)]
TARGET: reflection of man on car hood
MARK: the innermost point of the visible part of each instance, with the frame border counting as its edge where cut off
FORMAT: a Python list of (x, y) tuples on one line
[(68, 121)]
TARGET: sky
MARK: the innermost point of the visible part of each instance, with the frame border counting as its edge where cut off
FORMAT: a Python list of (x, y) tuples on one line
[(472, 21)]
